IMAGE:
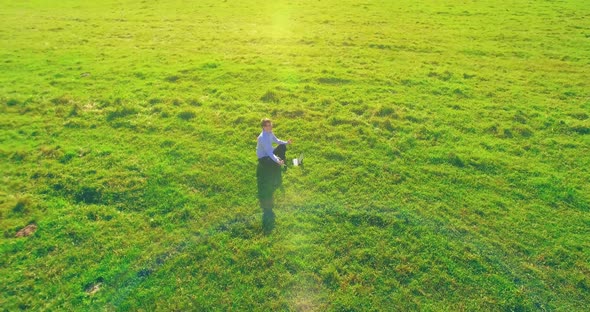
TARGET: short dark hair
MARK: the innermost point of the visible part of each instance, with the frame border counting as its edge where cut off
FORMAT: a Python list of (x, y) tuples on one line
[(264, 122)]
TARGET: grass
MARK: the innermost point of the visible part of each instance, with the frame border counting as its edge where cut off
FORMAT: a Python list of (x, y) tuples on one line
[(446, 153)]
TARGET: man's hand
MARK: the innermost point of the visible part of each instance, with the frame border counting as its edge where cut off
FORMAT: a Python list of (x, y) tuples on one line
[(281, 162), (290, 141)]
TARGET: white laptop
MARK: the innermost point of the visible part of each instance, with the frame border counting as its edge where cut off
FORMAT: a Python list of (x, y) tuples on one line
[(299, 160)]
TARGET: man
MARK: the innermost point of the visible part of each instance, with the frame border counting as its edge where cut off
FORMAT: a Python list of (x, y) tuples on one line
[(268, 172)]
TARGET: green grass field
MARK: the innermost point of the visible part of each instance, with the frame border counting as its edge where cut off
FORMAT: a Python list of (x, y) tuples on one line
[(447, 153)]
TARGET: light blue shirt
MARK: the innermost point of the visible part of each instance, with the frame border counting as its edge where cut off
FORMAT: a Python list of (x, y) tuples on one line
[(264, 146)]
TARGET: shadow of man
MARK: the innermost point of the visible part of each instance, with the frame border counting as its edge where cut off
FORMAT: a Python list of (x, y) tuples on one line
[(268, 216), (269, 179)]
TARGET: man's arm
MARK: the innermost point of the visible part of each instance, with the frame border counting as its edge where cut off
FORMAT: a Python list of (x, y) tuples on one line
[(276, 140), (268, 150)]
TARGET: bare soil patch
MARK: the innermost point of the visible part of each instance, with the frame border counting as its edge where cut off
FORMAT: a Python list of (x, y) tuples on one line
[(27, 230)]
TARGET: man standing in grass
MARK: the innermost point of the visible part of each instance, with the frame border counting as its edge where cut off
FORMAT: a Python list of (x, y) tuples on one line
[(268, 172)]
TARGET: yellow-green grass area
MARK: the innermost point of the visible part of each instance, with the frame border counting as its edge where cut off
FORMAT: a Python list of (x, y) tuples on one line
[(446, 155)]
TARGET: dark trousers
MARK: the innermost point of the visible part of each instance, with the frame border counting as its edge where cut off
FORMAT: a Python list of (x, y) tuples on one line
[(280, 151)]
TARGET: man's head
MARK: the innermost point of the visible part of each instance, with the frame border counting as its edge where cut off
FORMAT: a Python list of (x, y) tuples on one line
[(266, 124)]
